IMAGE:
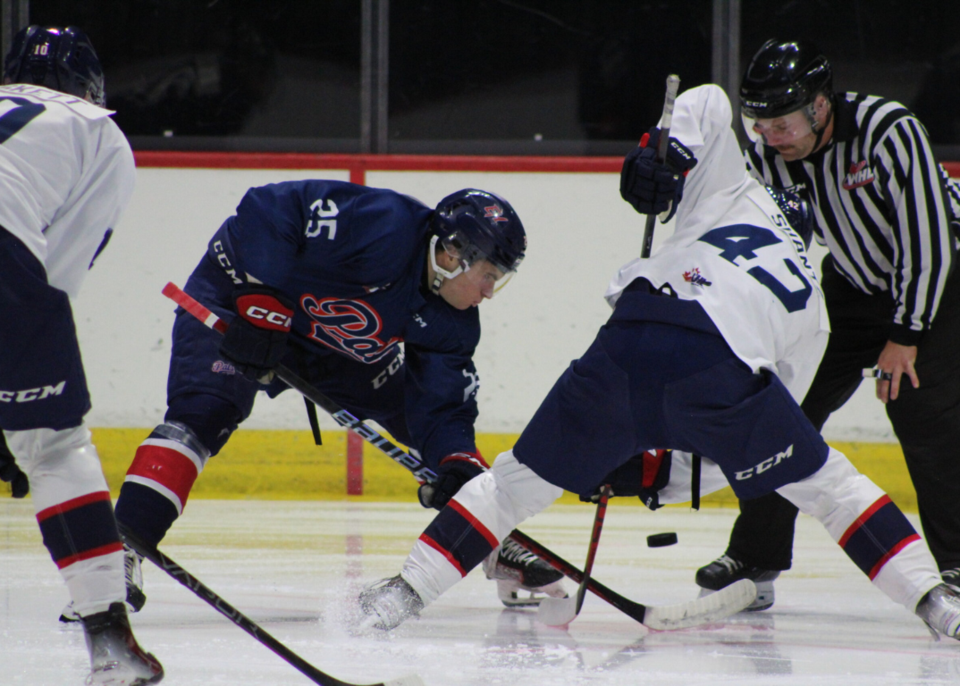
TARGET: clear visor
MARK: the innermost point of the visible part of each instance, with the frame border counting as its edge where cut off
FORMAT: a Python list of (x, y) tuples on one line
[(784, 130), (477, 266)]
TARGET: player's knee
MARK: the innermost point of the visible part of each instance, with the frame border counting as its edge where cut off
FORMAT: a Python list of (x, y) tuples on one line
[(209, 418), (528, 492)]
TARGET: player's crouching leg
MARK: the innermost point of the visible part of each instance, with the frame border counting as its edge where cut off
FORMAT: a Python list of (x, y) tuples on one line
[(465, 532)]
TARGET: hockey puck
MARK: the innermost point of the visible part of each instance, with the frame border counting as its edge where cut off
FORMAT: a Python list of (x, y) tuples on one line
[(661, 540)]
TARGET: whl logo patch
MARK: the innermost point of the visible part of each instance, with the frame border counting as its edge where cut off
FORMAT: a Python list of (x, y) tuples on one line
[(859, 175), (696, 278)]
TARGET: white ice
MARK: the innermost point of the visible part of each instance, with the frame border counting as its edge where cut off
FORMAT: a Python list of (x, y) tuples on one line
[(295, 568)]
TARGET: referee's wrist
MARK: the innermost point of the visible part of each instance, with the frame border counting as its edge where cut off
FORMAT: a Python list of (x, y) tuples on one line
[(904, 335)]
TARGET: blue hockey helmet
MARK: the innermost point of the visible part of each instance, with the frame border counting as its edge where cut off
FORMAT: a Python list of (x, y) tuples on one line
[(474, 225), (797, 212), (60, 59), (783, 77)]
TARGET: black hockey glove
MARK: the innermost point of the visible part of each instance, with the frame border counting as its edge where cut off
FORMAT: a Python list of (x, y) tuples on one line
[(256, 339), (454, 471), (10, 472), (653, 187), (642, 475)]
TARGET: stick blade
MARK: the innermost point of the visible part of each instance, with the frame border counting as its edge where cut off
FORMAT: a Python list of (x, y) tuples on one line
[(409, 680), (711, 608), (557, 611)]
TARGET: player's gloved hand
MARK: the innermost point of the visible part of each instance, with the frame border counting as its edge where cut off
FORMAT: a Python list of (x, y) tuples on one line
[(256, 339), (642, 475), (454, 471), (655, 187), (11, 473)]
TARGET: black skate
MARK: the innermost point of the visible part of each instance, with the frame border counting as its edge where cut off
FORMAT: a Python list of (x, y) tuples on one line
[(115, 657), (133, 576), (951, 577), (940, 609), (388, 603), (725, 570), (516, 569)]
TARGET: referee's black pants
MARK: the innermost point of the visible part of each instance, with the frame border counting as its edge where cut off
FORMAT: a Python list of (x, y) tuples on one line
[(926, 420)]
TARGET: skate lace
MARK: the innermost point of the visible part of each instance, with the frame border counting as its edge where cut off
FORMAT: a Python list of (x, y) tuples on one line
[(730, 563), (131, 568), (514, 552)]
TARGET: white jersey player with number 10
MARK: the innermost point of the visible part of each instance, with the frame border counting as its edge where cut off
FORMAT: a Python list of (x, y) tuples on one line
[(712, 343), (66, 174)]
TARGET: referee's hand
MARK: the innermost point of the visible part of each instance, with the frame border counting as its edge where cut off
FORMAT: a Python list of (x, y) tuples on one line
[(898, 361)]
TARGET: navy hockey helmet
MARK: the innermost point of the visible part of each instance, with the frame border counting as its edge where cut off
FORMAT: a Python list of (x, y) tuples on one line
[(797, 212), (474, 225), (784, 76), (60, 59)]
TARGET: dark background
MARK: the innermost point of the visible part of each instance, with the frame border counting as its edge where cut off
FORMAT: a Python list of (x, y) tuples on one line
[(478, 76)]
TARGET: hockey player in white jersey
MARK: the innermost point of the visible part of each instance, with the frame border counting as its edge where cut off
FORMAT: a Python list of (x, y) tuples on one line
[(712, 343), (66, 174)]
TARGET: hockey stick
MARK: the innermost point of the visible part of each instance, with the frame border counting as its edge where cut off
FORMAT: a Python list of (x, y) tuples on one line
[(562, 611), (731, 599), (673, 84), (244, 622)]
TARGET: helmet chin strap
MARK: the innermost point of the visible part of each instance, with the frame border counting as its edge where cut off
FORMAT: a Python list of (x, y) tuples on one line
[(439, 273)]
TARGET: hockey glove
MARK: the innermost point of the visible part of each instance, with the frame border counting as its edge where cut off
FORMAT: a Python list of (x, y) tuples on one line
[(454, 471), (11, 473), (256, 339), (642, 475), (655, 187)]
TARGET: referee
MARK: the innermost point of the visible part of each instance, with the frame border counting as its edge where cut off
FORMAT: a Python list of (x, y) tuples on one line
[(888, 213)]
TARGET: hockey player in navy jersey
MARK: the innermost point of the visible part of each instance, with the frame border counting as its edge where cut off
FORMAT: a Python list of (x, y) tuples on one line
[(330, 278), (66, 174), (712, 343)]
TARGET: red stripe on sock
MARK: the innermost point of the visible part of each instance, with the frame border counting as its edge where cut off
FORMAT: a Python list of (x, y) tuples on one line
[(167, 467), (87, 554), (475, 523), (893, 551), (72, 504), (443, 551), (859, 521)]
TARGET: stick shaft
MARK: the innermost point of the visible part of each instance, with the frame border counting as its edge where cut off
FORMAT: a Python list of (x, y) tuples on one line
[(594, 543), (666, 121)]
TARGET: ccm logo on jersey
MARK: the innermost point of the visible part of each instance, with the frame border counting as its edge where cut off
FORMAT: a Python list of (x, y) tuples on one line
[(265, 312), (30, 394), (859, 175), (766, 464)]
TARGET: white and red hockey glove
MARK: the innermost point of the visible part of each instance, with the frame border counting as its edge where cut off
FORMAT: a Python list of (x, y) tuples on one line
[(453, 472)]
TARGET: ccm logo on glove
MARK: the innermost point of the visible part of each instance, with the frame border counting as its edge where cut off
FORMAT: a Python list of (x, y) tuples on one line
[(265, 311)]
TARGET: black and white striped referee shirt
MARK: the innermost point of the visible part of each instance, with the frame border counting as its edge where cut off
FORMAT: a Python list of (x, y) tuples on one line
[(883, 205)]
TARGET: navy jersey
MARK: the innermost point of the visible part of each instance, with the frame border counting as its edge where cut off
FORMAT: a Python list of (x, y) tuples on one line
[(352, 259)]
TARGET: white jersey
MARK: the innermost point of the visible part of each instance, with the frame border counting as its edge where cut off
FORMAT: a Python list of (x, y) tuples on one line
[(734, 252), (66, 174)]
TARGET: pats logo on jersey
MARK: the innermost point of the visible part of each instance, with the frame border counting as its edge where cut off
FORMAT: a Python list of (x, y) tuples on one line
[(859, 175), (696, 278), (494, 212), (350, 327)]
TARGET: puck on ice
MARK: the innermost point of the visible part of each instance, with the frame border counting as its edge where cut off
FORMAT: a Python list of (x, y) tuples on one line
[(661, 540)]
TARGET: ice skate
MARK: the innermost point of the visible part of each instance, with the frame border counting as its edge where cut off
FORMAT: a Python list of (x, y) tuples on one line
[(133, 576), (951, 577), (516, 570), (940, 609), (388, 603), (115, 657), (725, 570)]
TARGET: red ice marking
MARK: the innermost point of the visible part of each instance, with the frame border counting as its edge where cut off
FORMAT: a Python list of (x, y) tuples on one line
[(862, 519), (89, 554), (475, 523), (443, 551), (72, 504), (172, 291)]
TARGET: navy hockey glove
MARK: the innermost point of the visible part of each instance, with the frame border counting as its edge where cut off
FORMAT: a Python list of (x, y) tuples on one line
[(642, 475), (454, 471), (10, 472), (256, 339), (653, 187)]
